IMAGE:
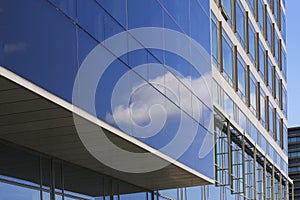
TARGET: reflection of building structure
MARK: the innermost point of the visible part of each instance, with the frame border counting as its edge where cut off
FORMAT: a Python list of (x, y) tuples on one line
[(155, 94), (294, 158)]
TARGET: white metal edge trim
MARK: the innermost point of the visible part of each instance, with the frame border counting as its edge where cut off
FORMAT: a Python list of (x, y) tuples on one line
[(42, 92)]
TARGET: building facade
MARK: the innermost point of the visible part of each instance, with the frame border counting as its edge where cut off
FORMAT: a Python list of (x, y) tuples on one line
[(151, 99), (293, 135)]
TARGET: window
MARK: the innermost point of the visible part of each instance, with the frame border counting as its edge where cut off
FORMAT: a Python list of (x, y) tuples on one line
[(240, 23), (269, 31), (284, 138), (278, 131), (284, 101), (271, 120), (237, 168), (241, 78), (222, 155), (276, 46), (252, 93), (270, 76), (276, 187), (276, 10), (282, 24), (259, 181), (269, 185), (262, 107), (260, 14), (261, 61), (283, 63), (277, 88), (249, 176), (228, 105), (251, 42), (215, 42), (227, 58), (251, 4), (227, 7)]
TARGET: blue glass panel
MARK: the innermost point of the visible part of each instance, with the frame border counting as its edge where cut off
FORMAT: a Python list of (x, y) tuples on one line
[(104, 108), (270, 75), (253, 94), (96, 21), (91, 18), (227, 60), (271, 120), (46, 56), (200, 22), (276, 10), (227, 4), (170, 23), (262, 108), (149, 14), (67, 6), (252, 43), (269, 31), (200, 151), (85, 45), (215, 43), (240, 23), (14, 192), (179, 11), (260, 14), (263, 143), (252, 5), (115, 8), (261, 61), (241, 79)]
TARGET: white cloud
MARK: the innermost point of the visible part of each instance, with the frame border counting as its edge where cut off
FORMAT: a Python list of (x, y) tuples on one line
[(14, 47), (145, 109)]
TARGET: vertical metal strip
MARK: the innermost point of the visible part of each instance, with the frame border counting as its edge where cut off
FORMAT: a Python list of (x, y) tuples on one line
[(220, 45), (246, 29), (243, 164), (229, 153), (41, 178), (62, 180), (52, 180), (254, 173), (235, 68)]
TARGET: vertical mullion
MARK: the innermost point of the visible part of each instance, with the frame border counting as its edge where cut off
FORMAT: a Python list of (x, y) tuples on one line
[(272, 183), (235, 69), (246, 28), (248, 85), (52, 180), (41, 178), (257, 51), (265, 178), (265, 32), (243, 163), (233, 12), (220, 46), (266, 67), (267, 114), (258, 102), (229, 153)]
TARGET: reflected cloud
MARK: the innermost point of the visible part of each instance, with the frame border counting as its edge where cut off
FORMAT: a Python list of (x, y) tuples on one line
[(14, 47), (149, 108)]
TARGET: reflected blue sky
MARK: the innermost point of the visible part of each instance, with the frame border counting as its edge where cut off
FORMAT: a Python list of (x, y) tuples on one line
[(293, 53)]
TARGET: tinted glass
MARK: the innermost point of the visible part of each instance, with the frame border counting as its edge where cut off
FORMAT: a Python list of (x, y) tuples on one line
[(227, 60)]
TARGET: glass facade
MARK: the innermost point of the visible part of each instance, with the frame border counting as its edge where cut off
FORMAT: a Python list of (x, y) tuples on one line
[(72, 30), (259, 116), (245, 120)]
